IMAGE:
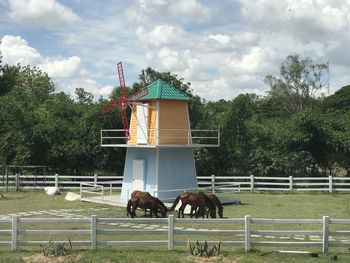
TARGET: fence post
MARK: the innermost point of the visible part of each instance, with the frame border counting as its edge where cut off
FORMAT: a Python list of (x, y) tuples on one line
[(17, 181), (93, 232), (56, 180), (290, 183), (95, 179), (330, 180), (14, 232), (171, 232), (213, 183), (247, 235), (251, 182), (325, 233)]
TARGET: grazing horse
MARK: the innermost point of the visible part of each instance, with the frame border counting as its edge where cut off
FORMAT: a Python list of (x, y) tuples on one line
[(217, 203), (145, 201), (197, 201)]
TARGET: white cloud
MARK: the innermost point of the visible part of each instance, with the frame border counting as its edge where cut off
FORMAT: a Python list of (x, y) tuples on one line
[(63, 67), (48, 13), (70, 72), (89, 85), (161, 35), (191, 10), (307, 19), (15, 49), (257, 60)]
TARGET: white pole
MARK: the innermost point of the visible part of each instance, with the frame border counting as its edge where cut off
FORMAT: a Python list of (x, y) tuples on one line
[(56, 180), (290, 183), (17, 181), (14, 232), (325, 238), (252, 183), (330, 180), (171, 232), (95, 179), (93, 232), (213, 183), (247, 234)]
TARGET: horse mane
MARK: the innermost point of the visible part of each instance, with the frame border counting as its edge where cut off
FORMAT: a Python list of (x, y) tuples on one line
[(160, 203)]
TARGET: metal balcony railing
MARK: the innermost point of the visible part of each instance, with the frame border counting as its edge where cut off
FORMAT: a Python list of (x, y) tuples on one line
[(163, 137)]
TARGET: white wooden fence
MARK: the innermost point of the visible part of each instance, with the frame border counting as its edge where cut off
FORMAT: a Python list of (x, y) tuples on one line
[(246, 183), (246, 236)]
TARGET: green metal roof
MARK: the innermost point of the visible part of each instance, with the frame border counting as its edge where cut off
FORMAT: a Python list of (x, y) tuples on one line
[(161, 90)]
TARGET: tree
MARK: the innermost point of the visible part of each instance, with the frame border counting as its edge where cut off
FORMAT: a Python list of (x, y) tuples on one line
[(299, 81), (339, 101), (84, 96), (150, 75)]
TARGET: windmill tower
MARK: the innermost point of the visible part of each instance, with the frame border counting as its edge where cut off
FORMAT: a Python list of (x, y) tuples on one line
[(159, 142)]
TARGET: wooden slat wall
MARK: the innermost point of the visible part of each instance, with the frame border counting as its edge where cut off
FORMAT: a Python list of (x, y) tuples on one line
[(152, 123), (133, 127), (173, 122)]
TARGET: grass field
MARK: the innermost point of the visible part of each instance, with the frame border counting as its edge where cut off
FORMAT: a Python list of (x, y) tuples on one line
[(262, 205)]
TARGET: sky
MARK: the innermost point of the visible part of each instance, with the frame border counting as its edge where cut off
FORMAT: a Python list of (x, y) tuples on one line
[(223, 47)]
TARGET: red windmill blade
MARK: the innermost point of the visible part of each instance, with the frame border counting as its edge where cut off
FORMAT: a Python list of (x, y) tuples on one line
[(123, 101)]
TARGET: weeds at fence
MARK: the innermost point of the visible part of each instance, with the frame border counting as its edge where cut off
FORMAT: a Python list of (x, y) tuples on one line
[(199, 250), (55, 249)]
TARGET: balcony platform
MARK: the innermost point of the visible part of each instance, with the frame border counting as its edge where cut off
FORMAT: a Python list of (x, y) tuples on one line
[(173, 138)]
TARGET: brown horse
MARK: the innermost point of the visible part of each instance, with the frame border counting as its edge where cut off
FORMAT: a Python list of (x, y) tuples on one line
[(217, 203), (197, 201), (145, 201)]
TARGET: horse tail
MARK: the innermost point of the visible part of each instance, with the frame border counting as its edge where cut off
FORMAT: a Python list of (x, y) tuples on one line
[(175, 203), (128, 208)]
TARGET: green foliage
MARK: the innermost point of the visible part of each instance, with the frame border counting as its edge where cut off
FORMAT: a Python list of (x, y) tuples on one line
[(55, 249), (339, 101), (288, 132), (299, 80), (197, 249)]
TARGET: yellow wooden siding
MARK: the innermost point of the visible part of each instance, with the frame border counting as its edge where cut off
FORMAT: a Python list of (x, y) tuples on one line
[(133, 127), (173, 122), (152, 123)]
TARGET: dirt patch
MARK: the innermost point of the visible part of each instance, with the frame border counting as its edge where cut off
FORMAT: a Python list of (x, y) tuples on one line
[(39, 258), (212, 259)]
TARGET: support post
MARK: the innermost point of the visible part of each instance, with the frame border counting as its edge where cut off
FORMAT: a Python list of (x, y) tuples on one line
[(330, 181), (252, 183), (291, 183), (14, 233), (213, 183), (247, 234), (325, 233), (17, 181), (171, 232), (56, 180), (93, 232), (7, 178), (95, 179)]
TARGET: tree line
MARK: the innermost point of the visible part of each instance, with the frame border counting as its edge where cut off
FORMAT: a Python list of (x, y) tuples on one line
[(292, 130)]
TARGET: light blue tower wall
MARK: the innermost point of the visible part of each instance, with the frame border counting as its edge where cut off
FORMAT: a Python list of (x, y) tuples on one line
[(164, 169)]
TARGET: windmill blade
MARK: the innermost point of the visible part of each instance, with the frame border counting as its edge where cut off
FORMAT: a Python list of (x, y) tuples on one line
[(138, 95), (121, 79), (111, 105)]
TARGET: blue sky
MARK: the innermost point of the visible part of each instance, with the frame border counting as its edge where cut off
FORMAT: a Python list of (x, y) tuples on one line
[(223, 47)]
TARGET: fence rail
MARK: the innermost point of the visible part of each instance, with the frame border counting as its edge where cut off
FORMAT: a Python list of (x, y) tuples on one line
[(103, 231), (245, 183)]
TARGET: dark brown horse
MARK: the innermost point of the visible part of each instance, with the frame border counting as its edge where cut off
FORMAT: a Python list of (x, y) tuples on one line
[(198, 203), (145, 200), (217, 203)]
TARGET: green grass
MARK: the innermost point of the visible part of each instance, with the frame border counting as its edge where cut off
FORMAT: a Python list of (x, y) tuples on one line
[(262, 205)]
